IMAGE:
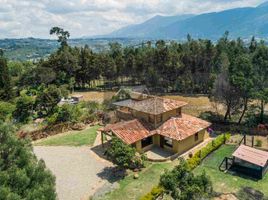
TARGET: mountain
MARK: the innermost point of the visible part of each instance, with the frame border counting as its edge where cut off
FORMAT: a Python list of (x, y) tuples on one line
[(148, 28), (240, 22)]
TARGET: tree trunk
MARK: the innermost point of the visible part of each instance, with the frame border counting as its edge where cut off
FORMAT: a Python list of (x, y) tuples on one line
[(262, 112), (227, 113), (244, 110)]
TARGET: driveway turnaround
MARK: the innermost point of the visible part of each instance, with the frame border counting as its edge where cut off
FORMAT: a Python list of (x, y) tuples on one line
[(79, 171)]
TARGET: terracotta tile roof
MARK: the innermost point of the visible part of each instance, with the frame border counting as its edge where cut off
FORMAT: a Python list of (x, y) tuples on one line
[(129, 131), (251, 155), (179, 128), (152, 105)]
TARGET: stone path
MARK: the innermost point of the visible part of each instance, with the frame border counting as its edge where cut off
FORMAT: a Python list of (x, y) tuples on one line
[(79, 171)]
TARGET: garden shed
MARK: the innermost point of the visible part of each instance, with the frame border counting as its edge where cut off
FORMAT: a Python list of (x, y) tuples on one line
[(250, 161)]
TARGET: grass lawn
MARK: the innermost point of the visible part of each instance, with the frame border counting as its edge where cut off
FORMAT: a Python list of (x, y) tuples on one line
[(196, 104), (225, 182), (72, 138), (130, 188)]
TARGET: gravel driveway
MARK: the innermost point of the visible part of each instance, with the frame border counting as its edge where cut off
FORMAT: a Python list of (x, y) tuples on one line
[(79, 171)]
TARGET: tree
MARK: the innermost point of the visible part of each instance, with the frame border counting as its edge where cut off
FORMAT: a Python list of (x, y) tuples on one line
[(48, 99), (5, 80), (124, 155), (260, 63), (242, 78), (24, 108), (184, 185), (22, 176), (62, 35), (224, 92)]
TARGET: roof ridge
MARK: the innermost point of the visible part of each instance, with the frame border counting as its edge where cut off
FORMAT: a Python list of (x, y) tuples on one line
[(177, 131)]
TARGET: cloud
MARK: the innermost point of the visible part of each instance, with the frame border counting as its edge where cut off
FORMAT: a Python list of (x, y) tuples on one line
[(31, 18)]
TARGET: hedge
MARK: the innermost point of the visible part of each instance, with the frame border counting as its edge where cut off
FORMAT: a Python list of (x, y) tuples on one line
[(193, 162), (155, 192)]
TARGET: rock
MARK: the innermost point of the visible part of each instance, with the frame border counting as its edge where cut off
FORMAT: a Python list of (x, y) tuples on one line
[(78, 127), (136, 176), (136, 170)]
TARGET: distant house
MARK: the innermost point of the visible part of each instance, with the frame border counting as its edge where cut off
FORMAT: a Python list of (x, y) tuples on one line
[(146, 121), (74, 99)]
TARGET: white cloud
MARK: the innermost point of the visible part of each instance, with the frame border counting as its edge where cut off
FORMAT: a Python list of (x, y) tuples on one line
[(32, 18)]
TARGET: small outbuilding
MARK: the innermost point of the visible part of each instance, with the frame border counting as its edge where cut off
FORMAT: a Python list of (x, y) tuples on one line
[(251, 161)]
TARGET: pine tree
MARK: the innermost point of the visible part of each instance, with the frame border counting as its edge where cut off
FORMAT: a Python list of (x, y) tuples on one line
[(21, 175)]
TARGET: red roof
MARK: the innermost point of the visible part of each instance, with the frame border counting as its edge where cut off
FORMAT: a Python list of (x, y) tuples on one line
[(180, 128), (152, 105), (251, 155), (129, 131), (177, 128)]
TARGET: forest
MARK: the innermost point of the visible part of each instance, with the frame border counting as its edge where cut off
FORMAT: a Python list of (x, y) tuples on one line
[(230, 72)]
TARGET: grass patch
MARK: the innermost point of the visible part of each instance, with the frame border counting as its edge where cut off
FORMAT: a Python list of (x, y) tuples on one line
[(130, 188), (196, 104), (225, 182), (72, 138)]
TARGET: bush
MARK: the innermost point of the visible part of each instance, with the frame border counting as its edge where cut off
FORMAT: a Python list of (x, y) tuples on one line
[(196, 159), (155, 192), (124, 155), (24, 108), (6, 110), (258, 143), (65, 113)]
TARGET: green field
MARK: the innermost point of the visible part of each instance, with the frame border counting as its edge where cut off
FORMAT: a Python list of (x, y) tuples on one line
[(226, 182), (73, 138)]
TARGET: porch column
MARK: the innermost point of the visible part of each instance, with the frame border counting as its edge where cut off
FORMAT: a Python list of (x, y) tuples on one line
[(102, 139)]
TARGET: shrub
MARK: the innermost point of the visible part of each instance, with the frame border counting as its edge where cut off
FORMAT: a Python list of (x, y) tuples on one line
[(24, 108), (258, 143), (6, 110), (155, 192), (196, 159), (124, 155), (66, 113)]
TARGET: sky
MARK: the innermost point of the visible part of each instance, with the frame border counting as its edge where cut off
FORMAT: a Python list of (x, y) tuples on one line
[(34, 18)]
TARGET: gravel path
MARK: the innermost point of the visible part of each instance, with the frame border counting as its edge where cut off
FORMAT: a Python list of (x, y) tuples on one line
[(79, 171)]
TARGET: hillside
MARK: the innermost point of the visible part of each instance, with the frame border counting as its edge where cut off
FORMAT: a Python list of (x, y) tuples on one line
[(149, 28), (240, 22)]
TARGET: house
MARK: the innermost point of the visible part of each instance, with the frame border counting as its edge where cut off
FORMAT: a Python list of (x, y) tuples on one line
[(250, 161), (146, 121)]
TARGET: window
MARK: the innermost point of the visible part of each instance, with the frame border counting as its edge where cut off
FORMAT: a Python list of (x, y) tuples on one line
[(146, 142), (196, 137), (151, 118), (168, 142), (159, 118), (178, 112)]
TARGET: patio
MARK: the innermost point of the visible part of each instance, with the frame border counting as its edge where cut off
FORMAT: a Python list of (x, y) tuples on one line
[(158, 154)]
